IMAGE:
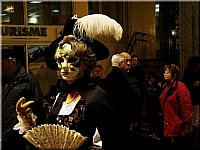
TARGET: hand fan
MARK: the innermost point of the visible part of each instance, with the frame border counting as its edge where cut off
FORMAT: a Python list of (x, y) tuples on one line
[(51, 136)]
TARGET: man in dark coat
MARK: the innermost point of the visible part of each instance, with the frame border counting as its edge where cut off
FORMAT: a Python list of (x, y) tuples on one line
[(122, 95), (16, 83), (135, 84)]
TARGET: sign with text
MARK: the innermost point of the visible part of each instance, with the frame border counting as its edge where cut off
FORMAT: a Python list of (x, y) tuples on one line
[(24, 31), (48, 33)]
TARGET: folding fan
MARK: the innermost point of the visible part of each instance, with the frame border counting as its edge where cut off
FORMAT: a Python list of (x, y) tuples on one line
[(57, 137)]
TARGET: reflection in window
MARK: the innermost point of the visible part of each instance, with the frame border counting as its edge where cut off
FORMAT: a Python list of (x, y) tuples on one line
[(40, 13), (36, 53), (12, 12), (49, 13)]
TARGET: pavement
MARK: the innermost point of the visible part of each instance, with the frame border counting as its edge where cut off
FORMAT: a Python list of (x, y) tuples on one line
[(147, 142)]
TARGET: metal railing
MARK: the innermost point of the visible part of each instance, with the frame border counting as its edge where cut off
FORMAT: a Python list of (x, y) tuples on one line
[(134, 39)]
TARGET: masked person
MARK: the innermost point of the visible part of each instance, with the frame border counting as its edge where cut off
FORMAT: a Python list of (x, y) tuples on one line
[(82, 106)]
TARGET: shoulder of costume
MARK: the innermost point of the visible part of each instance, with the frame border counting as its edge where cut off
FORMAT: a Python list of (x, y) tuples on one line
[(92, 93)]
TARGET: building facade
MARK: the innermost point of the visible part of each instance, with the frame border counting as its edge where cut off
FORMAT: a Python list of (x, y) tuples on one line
[(30, 26)]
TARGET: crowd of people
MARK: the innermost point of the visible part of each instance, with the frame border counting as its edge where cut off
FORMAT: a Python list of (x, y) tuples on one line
[(89, 103)]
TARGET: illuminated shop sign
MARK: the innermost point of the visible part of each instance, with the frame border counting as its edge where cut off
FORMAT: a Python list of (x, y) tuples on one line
[(24, 31)]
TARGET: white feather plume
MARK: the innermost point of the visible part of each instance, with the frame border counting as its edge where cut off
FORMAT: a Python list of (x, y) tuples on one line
[(94, 25)]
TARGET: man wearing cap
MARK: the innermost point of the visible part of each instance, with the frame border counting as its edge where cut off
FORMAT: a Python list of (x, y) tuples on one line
[(16, 83), (122, 95)]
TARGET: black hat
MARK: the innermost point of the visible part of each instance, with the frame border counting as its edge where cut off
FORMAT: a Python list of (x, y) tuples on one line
[(80, 29), (6, 53)]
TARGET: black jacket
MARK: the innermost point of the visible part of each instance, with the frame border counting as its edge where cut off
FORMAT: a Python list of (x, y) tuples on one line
[(123, 99), (101, 112), (21, 85), (189, 77), (138, 72), (153, 93), (98, 113)]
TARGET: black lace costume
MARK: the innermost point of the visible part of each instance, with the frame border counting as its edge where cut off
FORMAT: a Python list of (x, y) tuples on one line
[(93, 110), (74, 120)]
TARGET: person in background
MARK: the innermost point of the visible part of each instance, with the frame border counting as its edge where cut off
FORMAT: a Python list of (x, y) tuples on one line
[(97, 76), (152, 102), (191, 78), (97, 72), (128, 62), (83, 106), (176, 110), (131, 78), (16, 83), (135, 131), (122, 96), (137, 71)]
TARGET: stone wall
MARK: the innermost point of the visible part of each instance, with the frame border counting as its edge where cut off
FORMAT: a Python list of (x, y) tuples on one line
[(189, 32)]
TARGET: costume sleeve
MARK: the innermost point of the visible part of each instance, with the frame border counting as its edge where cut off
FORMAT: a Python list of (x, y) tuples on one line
[(186, 105), (104, 118)]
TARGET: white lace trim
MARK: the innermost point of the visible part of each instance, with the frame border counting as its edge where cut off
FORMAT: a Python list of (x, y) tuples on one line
[(24, 127), (67, 109)]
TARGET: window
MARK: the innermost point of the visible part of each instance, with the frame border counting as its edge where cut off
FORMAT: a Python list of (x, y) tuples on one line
[(112, 9), (36, 53), (48, 13), (12, 13), (38, 12)]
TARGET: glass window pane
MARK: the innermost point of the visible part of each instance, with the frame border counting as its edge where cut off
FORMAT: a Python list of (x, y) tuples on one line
[(49, 13), (36, 54), (113, 9), (37, 67), (12, 13)]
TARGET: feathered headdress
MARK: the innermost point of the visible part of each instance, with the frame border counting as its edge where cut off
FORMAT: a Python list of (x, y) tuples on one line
[(87, 29), (97, 24)]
